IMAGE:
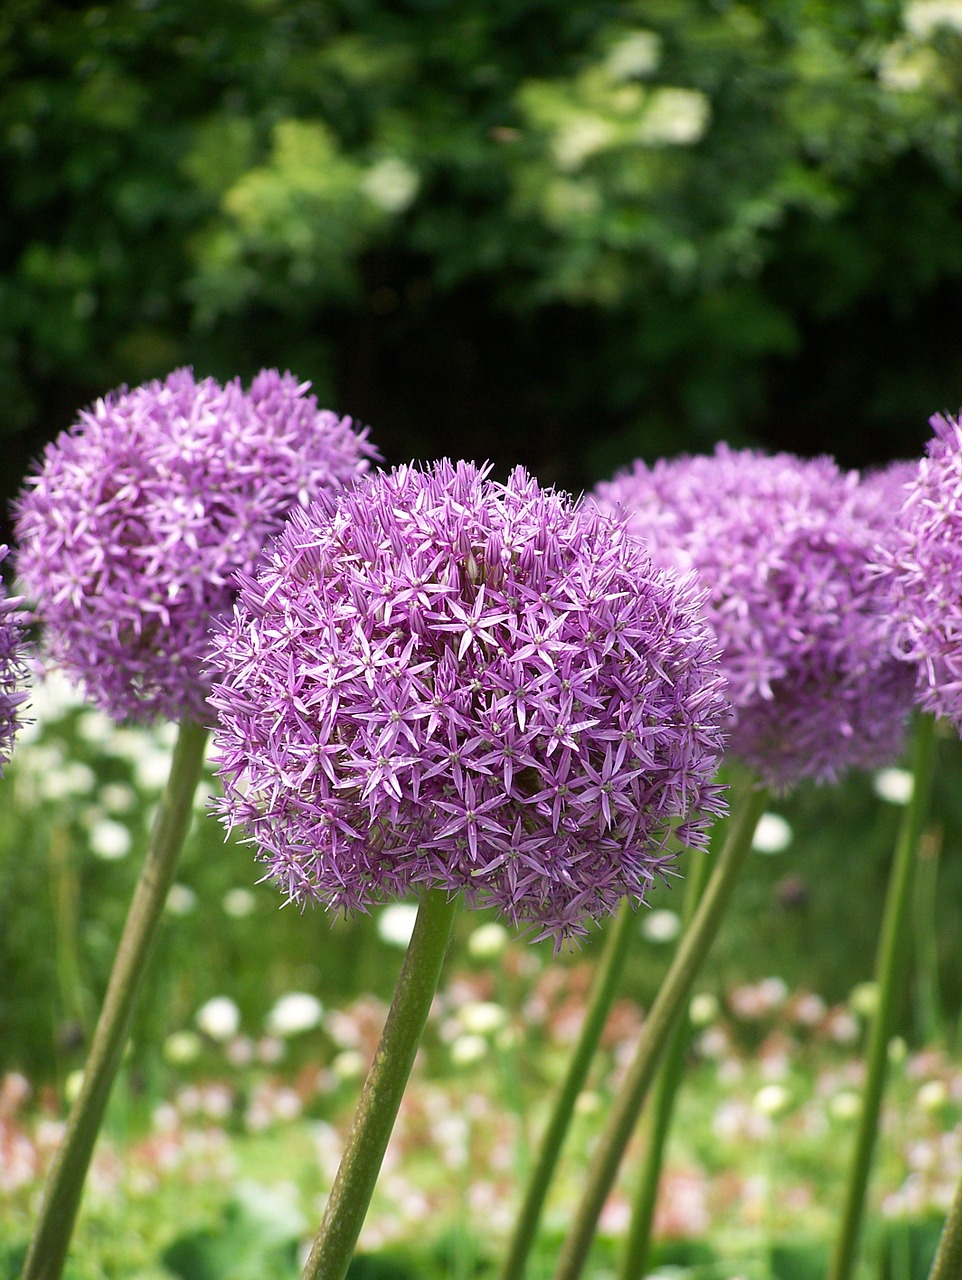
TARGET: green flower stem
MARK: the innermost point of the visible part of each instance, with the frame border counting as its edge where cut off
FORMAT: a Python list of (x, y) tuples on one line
[(948, 1259), (51, 1240), (674, 992), (634, 1262), (603, 992), (889, 969), (383, 1089)]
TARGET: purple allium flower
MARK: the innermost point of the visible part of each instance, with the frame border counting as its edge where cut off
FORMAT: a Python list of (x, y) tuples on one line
[(784, 548), (441, 680), (13, 670), (924, 569), (140, 514)]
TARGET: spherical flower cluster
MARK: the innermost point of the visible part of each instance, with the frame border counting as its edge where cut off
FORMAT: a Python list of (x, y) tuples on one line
[(139, 515), (13, 673), (784, 548), (924, 568), (438, 680)]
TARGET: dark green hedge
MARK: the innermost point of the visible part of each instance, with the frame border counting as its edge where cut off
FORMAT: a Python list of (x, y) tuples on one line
[(556, 231)]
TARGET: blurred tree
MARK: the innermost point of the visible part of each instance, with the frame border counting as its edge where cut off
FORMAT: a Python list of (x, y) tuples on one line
[(563, 233)]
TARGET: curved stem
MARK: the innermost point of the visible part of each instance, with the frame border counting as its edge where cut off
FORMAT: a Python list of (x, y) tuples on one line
[(603, 991), (674, 992), (889, 968), (948, 1259), (635, 1257), (383, 1089), (51, 1239)]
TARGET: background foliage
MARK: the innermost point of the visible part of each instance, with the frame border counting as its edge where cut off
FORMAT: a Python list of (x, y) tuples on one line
[(560, 233)]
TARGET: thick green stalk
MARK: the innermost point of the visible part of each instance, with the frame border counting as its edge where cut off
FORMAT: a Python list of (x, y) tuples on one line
[(889, 969), (674, 992), (603, 992), (635, 1258), (383, 1089), (51, 1239), (948, 1259)]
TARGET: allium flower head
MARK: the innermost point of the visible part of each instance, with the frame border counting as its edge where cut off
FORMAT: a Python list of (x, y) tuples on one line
[(139, 515), (438, 680), (924, 568), (784, 548), (13, 671)]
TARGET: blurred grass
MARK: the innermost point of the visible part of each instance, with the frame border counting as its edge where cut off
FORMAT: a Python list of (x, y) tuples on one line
[(808, 914)]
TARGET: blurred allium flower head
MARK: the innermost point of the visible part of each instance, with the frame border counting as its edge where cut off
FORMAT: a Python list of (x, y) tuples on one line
[(784, 548), (139, 515), (924, 569), (13, 670), (438, 680)]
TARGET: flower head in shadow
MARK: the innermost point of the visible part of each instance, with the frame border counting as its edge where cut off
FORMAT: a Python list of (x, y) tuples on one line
[(785, 549)]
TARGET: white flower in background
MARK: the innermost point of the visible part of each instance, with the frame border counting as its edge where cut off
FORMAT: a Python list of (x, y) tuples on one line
[(846, 1105), (863, 999), (182, 1047), (468, 1049), (488, 941), (95, 727), (152, 768), (117, 797), (904, 68), (395, 924), (128, 743), (674, 117), (578, 138), (109, 840), (293, 1013), (637, 54), (238, 903), (276, 1208), (72, 1086), (772, 835), (482, 1017), (181, 901), (348, 1065), (392, 184), (73, 779), (588, 1103), (219, 1018), (703, 1009), (771, 1099), (52, 698), (922, 18), (932, 1096), (894, 785), (660, 926)]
